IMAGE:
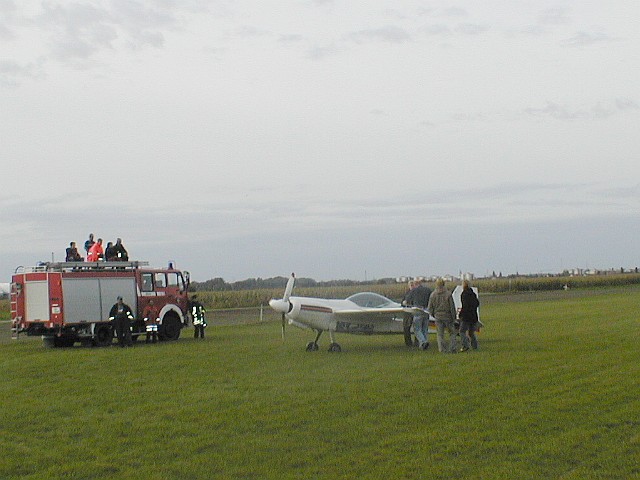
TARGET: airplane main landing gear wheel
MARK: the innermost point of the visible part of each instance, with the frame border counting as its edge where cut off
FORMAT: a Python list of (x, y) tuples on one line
[(334, 347), (312, 347)]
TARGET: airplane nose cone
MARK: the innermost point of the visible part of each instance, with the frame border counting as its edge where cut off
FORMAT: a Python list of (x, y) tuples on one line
[(279, 305)]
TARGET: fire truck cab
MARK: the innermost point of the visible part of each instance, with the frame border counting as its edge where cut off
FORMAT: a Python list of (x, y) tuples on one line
[(68, 302)]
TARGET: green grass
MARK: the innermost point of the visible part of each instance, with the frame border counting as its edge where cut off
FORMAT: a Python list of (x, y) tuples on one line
[(552, 393)]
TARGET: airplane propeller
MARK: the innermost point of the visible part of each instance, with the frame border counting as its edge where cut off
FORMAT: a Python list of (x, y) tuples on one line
[(283, 305)]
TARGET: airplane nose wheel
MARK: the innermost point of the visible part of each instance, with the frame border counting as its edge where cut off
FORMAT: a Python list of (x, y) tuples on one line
[(313, 346)]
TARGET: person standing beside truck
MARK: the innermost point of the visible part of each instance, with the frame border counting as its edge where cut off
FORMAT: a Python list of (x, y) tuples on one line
[(121, 315), (199, 321), (150, 315)]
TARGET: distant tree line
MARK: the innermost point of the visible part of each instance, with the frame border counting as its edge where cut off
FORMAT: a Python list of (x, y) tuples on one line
[(219, 285)]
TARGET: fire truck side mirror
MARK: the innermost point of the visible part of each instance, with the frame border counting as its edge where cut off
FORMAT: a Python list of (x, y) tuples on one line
[(187, 279)]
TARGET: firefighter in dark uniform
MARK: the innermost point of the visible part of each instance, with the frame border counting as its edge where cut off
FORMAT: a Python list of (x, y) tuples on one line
[(121, 316), (199, 320)]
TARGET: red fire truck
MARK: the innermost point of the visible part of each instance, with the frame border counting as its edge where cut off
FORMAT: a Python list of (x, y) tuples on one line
[(68, 302)]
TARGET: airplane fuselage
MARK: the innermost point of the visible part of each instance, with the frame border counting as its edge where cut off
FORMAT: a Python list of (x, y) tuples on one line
[(322, 314)]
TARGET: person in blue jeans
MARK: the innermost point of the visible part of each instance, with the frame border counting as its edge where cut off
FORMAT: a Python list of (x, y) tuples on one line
[(419, 297)]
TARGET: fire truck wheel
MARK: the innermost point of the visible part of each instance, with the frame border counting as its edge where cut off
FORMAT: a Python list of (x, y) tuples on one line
[(103, 335), (170, 328)]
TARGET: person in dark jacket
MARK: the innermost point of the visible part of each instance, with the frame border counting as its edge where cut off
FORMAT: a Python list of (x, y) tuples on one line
[(72, 254), (419, 297), (89, 243), (199, 320), (121, 252), (407, 320), (468, 317), (110, 254), (121, 315)]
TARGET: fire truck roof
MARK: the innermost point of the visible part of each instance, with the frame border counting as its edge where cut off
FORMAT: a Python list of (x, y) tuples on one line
[(60, 266)]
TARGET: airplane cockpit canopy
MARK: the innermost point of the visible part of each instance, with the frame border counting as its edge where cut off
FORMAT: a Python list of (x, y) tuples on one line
[(371, 300)]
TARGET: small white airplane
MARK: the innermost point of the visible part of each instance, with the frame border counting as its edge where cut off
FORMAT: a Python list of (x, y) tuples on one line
[(365, 313)]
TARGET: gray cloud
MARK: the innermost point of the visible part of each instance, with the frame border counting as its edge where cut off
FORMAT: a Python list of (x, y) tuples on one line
[(454, 12), (320, 52), (600, 110), (5, 32), (586, 39), (390, 33), (249, 31), (78, 31), (12, 73), (8, 10), (290, 38), (436, 29), (471, 29), (553, 16)]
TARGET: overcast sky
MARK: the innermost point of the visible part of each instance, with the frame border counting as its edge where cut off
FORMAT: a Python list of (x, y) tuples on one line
[(336, 139)]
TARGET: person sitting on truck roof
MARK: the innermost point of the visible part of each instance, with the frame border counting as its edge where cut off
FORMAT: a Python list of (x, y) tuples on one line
[(121, 252), (96, 252), (110, 254), (89, 243), (72, 254)]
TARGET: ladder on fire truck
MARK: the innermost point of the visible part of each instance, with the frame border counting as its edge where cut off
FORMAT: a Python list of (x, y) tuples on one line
[(85, 266), (14, 328)]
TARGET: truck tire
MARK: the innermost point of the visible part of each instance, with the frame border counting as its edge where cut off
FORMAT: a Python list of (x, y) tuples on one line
[(103, 335), (170, 328)]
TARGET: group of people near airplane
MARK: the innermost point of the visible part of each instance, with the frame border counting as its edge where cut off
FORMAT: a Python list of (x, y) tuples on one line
[(440, 305), (95, 252)]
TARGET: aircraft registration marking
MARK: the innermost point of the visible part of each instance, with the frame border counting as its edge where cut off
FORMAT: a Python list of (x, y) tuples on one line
[(354, 327)]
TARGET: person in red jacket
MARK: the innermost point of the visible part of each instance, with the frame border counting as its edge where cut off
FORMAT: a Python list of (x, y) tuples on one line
[(96, 252)]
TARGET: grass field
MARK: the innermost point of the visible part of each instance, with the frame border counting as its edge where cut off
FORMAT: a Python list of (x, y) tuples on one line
[(552, 393)]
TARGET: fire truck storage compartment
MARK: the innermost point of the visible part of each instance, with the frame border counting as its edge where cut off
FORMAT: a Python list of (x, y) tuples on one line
[(37, 304), (90, 299)]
